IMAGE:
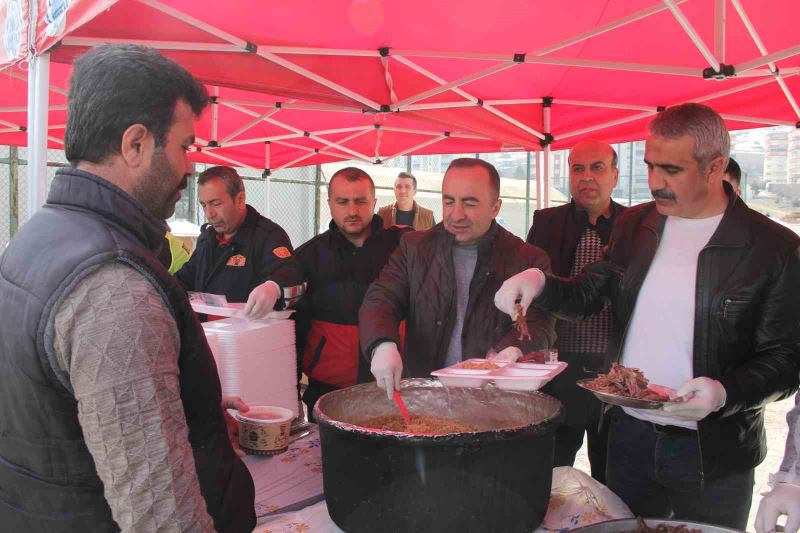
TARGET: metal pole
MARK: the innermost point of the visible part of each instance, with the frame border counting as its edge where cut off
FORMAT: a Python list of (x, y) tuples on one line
[(538, 180), (38, 94), (546, 109), (408, 163), (630, 175), (317, 198), (13, 190), (527, 192)]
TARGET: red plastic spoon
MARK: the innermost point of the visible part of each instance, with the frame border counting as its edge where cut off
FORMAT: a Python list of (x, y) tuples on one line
[(399, 401)]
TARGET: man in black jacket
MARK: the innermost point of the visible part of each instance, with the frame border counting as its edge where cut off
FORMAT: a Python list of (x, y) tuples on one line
[(574, 236), (339, 265), (241, 254), (706, 299), (441, 282)]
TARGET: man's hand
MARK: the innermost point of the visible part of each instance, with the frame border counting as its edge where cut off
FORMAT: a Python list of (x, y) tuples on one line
[(233, 402), (387, 367), (784, 499), (261, 300), (511, 354), (703, 397), (524, 287)]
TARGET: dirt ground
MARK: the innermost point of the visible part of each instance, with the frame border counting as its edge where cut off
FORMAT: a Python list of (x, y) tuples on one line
[(776, 440)]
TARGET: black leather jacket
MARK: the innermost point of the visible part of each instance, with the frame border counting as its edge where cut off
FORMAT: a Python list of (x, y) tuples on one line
[(746, 317)]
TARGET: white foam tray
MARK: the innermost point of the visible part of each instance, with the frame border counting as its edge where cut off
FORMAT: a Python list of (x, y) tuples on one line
[(510, 376)]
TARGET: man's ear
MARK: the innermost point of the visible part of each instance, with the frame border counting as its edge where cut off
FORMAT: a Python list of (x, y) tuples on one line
[(137, 145), (716, 167)]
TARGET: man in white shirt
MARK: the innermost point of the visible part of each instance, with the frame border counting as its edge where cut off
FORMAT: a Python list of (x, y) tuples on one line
[(705, 295)]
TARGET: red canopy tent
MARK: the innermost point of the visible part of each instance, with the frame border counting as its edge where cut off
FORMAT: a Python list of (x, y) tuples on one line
[(314, 78)]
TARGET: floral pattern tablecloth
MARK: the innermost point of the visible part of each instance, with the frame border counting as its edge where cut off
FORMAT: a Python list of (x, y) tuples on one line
[(289, 481)]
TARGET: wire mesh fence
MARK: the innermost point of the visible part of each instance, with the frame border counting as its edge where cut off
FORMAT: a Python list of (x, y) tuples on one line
[(297, 198)]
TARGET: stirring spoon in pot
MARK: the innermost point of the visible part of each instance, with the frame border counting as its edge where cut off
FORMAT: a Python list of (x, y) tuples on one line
[(399, 401)]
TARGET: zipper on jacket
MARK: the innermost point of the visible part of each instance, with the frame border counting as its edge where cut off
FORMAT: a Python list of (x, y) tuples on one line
[(726, 303)]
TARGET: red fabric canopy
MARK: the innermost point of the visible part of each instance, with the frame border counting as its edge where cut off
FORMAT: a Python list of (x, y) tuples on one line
[(486, 74)]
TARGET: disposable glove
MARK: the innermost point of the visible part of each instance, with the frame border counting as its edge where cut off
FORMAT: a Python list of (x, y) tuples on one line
[(703, 396), (524, 287), (783, 499), (261, 300), (387, 367), (511, 354)]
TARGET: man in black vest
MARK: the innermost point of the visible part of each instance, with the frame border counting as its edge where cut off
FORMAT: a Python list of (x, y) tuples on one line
[(574, 235), (241, 254), (110, 403)]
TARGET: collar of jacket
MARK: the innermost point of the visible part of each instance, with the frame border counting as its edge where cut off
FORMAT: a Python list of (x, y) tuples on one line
[(733, 230), (376, 225), (82, 190), (414, 209), (485, 243), (242, 235), (581, 217)]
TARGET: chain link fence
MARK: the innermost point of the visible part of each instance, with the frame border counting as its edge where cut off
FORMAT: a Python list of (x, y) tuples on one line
[(297, 198)]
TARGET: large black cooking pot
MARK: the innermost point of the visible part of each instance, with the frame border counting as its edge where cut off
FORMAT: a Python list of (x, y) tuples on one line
[(495, 479)]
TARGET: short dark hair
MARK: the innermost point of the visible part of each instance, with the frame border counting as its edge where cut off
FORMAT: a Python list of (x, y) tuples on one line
[(471, 162), (232, 180), (410, 176), (352, 174), (115, 86), (614, 157), (734, 171)]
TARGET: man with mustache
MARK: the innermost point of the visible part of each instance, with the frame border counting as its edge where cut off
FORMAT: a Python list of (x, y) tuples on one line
[(574, 236), (705, 296), (241, 254), (441, 282), (111, 414), (406, 211), (339, 264)]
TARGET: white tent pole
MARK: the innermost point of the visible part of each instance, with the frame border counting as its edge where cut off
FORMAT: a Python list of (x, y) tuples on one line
[(267, 180), (521, 101), (343, 130), (690, 31), (248, 125), (763, 49), (299, 131), (419, 146), (158, 45), (546, 110), (514, 121), (215, 115), (719, 30), (11, 125), (38, 94), (200, 141), (757, 120), (639, 15), (608, 124), (606, 105), (435, 133), (538, 180), (468, 96), (769, 58), (244, 142), (442, 105), (244, 45), (733, 90), (14, 74), (290, 163), (24, 108), (456, 83)]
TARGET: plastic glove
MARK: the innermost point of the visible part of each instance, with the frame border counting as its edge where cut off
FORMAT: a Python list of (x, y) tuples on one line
[(233, 402), (387, 367), (261, 300), (783, 499), (511, 354), (703, 397), (524, 287)]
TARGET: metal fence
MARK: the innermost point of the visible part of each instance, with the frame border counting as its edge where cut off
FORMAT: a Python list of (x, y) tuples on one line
[(296, 198)]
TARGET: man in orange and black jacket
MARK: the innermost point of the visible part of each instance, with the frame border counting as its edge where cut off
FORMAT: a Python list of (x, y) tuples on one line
[(339, 265)]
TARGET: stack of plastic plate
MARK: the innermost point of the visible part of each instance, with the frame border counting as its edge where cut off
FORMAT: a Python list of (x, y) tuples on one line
[(256, 360)]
